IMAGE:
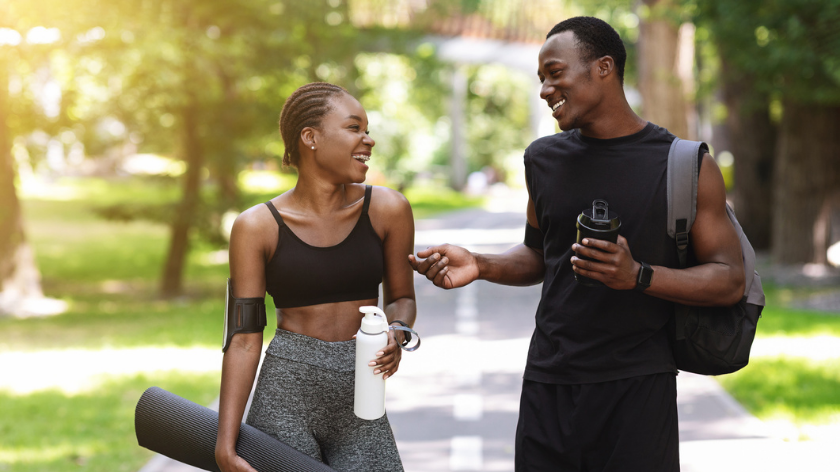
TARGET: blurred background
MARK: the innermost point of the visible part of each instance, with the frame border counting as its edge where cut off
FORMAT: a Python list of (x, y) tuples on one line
[(133, 132)]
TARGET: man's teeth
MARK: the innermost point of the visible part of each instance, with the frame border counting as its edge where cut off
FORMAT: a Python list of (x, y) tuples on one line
[(361, 157), (558, 105)]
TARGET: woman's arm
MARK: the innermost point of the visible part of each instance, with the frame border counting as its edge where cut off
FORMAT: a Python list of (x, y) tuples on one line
[(393, 219), (239, 366)]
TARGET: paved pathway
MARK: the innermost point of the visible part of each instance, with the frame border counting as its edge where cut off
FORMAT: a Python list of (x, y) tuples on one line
[(453, 404)]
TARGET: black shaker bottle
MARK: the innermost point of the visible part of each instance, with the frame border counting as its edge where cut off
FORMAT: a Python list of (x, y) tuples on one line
[(597, 222)]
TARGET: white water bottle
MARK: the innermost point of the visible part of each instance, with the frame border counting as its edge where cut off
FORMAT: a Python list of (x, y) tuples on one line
[(369, 396)]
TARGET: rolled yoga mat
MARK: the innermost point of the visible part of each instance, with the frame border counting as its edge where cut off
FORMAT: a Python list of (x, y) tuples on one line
[(186, 431)]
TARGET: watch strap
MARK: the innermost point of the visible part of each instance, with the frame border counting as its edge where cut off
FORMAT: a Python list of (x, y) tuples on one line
[(644, 278)]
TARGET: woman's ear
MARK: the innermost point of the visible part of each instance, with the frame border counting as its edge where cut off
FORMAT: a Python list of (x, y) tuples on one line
[(307, 136)]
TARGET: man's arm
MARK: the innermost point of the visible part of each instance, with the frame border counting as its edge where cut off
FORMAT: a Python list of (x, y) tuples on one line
[(450, 266), (717, 279)]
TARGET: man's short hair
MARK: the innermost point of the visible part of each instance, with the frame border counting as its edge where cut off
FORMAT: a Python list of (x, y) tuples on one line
[(595, 39)]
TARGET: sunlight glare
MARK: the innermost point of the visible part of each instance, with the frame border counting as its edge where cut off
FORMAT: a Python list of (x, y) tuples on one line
[(9, 36), (43, 35)]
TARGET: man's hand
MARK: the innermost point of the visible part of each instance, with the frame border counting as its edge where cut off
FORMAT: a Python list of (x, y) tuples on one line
[(446, 266), (613, 265)]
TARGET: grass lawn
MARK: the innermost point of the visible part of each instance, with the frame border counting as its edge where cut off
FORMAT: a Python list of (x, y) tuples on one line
[(51, 431), (801, 392), (107, 272)]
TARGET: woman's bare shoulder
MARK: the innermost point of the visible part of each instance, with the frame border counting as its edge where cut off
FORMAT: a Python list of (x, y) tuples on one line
[(389, 202), (253, 222)]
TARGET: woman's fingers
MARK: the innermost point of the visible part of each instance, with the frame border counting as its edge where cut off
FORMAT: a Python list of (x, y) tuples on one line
[(388, 359)]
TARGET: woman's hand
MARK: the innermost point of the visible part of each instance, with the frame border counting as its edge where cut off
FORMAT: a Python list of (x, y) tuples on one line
[(388, 359), (232, 463)]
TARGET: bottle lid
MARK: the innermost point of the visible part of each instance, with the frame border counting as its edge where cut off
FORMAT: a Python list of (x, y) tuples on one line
[(599, 217), (374, 321)]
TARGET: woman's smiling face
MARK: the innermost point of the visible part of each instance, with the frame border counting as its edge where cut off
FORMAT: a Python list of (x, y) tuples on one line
[(342, 144)]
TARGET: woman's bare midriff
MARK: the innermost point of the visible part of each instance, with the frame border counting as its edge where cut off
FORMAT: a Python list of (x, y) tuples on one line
[(329, 322)]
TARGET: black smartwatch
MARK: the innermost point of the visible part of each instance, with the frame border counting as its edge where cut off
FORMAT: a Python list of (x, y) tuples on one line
[(644, 277)]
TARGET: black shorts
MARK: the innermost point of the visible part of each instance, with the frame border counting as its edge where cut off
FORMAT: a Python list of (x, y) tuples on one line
[(624, 425)]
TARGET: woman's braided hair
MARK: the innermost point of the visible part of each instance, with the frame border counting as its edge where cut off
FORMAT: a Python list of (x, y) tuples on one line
[(305, 108)]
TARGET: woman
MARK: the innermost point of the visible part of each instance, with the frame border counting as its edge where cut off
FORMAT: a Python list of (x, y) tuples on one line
[(320, 249)]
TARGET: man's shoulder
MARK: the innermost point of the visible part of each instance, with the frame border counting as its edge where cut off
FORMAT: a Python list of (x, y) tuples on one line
[(540, 145)]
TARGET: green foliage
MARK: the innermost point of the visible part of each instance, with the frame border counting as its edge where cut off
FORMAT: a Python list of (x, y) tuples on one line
[(50, 431), (788, 388), (498, 115), (789, 47)]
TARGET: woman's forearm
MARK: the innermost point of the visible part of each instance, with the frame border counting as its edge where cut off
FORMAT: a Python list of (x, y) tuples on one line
[(239, 369), (403, 309)]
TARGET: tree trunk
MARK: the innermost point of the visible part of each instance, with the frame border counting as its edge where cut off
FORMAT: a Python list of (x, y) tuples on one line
[(807, 172), (752, 143), (660, 84), (172, 283), (226, 161), (19, 276)]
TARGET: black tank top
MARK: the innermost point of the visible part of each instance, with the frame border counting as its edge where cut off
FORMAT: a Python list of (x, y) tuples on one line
[(596, 334), (302, 275)]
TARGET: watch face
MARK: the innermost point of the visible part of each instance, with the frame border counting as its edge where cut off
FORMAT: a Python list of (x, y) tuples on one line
[(645, 275)]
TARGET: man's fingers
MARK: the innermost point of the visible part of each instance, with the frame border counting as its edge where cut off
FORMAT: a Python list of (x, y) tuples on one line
[(601, 244), (422, 266), (429, 251), (589, 266), (441, 279), (587, 273), (435, 269), (590, 252), (622, 241)]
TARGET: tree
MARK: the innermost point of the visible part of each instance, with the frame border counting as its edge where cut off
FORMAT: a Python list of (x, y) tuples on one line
[(786, 49), (19, 114), (749, 123), (208, 79), (19, 278), (665, 66)]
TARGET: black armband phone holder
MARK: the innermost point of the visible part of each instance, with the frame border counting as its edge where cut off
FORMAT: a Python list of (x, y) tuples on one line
[(533, 237), (242, 315)]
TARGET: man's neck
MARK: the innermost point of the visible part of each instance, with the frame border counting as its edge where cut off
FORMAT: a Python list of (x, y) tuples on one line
[(614, 122)]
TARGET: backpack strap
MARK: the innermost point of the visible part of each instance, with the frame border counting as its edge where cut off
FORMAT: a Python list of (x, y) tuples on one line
[(683, 173)]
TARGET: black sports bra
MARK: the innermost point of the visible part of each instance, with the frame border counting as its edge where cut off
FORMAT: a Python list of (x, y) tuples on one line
[(302, 275)]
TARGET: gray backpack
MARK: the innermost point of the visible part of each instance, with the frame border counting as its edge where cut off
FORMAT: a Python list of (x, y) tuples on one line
[(707, 340)]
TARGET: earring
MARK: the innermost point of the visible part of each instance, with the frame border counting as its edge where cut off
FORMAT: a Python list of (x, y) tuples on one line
[(313, 148)]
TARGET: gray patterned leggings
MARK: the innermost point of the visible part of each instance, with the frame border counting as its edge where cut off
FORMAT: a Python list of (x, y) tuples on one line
[(304, 397)]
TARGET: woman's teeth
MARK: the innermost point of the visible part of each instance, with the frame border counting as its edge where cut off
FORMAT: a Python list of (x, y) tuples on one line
[(558, 105), (361, 157)]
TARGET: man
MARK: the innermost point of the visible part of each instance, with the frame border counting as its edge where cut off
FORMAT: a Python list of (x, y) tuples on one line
[(599, 389)]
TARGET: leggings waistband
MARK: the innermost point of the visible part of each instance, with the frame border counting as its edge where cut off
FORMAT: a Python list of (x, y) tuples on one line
[(337, 356)]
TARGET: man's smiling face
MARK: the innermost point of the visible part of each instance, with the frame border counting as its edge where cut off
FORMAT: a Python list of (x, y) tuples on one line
[(567, 81)]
